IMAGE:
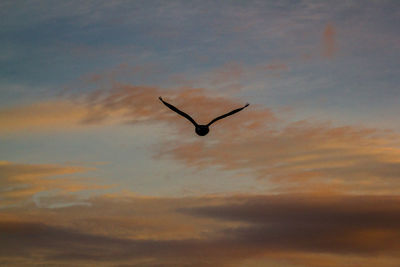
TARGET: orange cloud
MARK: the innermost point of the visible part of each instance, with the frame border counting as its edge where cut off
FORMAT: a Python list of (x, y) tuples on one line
[(140, 104), (54, 115), (43, 116), (123, 103), (328, 41), (299, 156), (20, 182)]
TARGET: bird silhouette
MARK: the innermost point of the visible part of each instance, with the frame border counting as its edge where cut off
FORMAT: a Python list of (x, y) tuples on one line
[(200, 129)]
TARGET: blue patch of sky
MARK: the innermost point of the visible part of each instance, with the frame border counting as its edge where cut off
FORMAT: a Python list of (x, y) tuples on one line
[(48, 46)]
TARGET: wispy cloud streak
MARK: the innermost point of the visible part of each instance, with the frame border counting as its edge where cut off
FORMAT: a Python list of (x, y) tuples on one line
[(329, 42)]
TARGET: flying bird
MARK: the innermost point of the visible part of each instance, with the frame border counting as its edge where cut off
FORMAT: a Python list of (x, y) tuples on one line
[(201, 130)]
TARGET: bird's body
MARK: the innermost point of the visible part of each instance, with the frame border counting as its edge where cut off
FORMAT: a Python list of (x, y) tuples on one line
[(201, 130)]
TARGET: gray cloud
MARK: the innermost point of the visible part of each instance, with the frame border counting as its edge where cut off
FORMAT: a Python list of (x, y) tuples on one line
[(45, 243), (278, 225), (329, 224)]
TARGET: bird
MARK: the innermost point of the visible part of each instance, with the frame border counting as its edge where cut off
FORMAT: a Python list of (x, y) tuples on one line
[(201, 129)]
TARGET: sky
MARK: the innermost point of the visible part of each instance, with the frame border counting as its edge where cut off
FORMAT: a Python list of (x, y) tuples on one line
[(94, 169)]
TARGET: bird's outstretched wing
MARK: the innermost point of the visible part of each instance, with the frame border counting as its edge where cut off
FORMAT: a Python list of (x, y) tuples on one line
[(179, 112), (227, 114)]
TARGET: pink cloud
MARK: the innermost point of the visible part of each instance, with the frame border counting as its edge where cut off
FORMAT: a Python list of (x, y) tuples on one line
[(329, 41)]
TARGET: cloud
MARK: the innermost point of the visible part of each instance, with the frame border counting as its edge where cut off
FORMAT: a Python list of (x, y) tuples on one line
[(331, 224), (21, 182), (206, 231), (302, 156), (119, 103), (51, 245), (51, 115), (140, 104), (328, 41), (113, 229), (122, 216)]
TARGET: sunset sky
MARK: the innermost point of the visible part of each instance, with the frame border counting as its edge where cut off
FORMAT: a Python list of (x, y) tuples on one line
[(95, 170)]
